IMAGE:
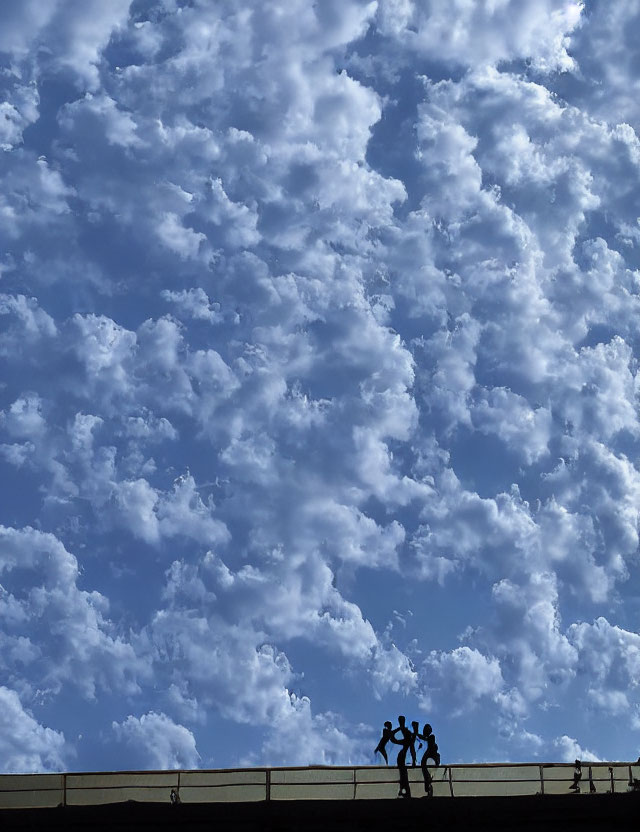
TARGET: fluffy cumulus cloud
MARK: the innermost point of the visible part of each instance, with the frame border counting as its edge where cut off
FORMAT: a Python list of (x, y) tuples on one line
[(27, 746), (569, 750), (55, 633), (320, 377), (156, 741), (323, 737), (489, 32)]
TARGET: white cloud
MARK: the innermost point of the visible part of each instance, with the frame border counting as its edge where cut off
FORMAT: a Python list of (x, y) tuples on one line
[(570, 750), (35, 199), (194, 303), (22, 21), (23, 419), (403, 292), (610, 656), (300, 737), (70, 640), (530, 636), (25, 744), (100, 112), (17, 112), (393, 672), (496, 31), (225, 664), (155, 741), (77, 33), (184, 513), (606, 56), (522, 429), (459, 679), (32, 321)]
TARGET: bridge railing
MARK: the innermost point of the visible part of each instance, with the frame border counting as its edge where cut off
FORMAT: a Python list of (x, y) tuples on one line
[(308, 783)]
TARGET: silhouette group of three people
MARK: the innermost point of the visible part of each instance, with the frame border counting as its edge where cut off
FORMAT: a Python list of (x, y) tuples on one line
[(407, 739)]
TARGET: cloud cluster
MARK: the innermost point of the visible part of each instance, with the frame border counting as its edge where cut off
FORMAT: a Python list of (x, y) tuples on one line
[(484, 33), (27, 746), (155, 741), (55, 633), (312, 314)]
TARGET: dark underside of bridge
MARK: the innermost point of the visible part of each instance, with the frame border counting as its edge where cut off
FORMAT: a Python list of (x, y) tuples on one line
[(548, 813)]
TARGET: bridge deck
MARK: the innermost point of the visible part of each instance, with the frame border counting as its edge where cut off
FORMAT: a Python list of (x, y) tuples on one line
[(552, 813)]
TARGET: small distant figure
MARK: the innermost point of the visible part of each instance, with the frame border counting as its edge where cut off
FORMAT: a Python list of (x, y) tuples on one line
[(405, 742), (577, 776), (174, 797), (430, 753), (414, 736), (381, 747)]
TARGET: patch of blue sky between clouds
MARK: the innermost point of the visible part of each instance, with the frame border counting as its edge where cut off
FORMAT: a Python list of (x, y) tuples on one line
[(319, 390)]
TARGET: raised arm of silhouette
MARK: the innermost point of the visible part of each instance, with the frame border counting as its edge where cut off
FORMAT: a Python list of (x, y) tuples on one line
[(430, 753), (384, 739), (404, 741)]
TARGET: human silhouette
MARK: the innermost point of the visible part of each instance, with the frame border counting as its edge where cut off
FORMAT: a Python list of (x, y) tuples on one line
[(430, 753), (405, 742), (384, 739), (577, 776), (414, 736)]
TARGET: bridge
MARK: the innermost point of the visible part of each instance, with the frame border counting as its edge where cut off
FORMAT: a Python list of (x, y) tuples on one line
[(313, 783)]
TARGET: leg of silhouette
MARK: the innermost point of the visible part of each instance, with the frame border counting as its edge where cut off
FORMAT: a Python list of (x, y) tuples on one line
[(404, 790), (428, 787), (415, 733), (383, 752)]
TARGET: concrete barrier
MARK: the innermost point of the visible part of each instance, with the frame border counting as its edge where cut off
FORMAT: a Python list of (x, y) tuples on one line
[(313, 783), (226, 786), (117, 787), (31, 790)]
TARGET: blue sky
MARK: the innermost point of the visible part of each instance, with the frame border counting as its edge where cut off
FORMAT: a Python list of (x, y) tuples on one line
[(319, 400)]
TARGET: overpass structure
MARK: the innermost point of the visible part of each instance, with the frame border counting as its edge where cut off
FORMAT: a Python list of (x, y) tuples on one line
[(313, 783)]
